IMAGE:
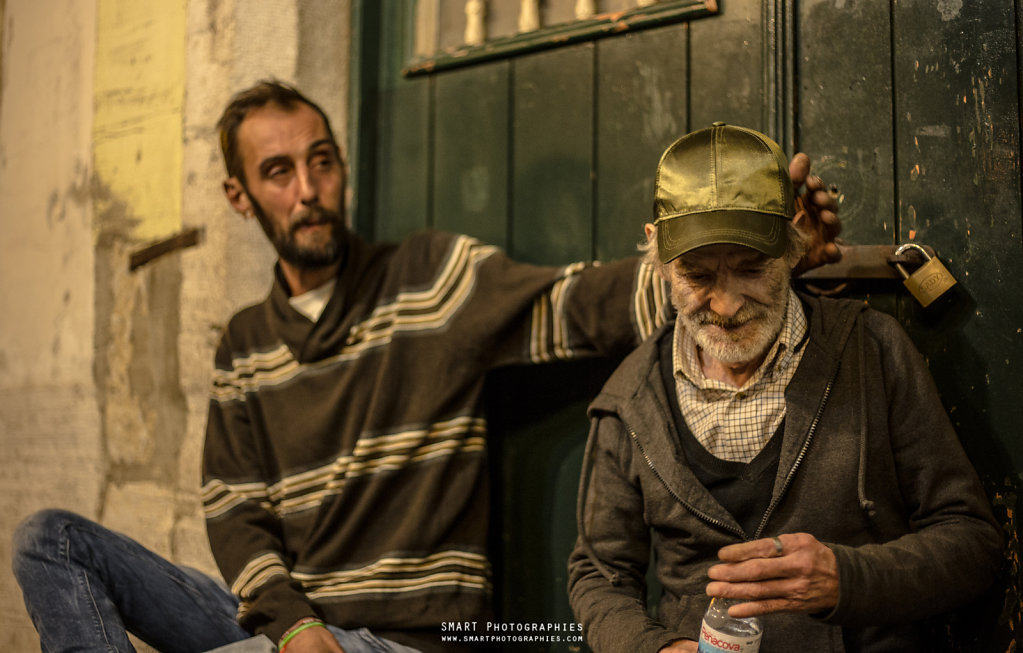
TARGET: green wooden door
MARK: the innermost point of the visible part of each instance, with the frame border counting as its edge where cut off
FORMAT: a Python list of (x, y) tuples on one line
[(911, 108)]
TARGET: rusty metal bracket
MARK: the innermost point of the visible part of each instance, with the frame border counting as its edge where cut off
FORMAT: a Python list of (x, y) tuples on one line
[(187, 238), (867, 262)]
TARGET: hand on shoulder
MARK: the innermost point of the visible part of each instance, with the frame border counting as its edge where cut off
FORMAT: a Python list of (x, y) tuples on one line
[(816, 216)]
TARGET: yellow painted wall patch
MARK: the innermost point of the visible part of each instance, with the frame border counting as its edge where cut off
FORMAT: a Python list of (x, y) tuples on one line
[(137, 129)]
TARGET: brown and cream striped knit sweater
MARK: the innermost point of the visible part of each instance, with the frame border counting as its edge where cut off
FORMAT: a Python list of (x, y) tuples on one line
[(344, 468)]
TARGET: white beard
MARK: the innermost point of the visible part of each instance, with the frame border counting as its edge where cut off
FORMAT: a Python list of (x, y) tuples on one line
[(741, 345), (753, 329)]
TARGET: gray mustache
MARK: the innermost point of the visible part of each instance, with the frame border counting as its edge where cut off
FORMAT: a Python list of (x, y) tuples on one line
[(746, 314)]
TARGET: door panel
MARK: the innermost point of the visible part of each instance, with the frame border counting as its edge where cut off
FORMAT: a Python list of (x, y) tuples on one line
[(959, 186), (727, 68), (844, 121), (470, 190), (552, 154), (957, 177), (845, 112), (641, 107), (401, 137)]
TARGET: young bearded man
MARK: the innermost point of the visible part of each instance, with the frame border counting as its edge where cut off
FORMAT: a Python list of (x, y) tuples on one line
[(344, 467), (785, 451)]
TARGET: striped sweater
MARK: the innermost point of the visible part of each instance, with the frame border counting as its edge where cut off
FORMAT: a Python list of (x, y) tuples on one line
[(344, 470)]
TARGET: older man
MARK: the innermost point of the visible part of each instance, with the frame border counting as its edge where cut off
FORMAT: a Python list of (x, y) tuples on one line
[(787, 452)]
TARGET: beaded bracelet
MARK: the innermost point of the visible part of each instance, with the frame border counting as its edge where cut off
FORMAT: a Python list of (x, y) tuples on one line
[(308, 622)]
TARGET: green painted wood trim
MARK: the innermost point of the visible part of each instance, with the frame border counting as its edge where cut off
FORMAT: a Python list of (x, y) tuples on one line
[(363, 92), (555, 36), (780, 89)]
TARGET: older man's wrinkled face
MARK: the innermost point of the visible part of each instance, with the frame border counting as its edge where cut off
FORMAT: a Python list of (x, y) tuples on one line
[(731, 299)]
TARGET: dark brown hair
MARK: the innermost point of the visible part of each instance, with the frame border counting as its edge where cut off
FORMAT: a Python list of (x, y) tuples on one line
[(266, 92)]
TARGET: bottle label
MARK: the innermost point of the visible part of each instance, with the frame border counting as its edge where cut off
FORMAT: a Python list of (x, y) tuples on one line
[(715, 641)]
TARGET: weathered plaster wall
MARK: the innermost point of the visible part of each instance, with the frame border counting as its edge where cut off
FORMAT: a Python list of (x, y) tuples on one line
[(49, 413), (138, 97), (107, 144)]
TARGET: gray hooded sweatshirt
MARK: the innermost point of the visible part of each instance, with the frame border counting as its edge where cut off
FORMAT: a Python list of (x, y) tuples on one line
[(869, 464)]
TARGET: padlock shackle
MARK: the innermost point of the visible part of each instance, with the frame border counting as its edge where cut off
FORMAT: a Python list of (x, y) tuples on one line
[(903, 248)]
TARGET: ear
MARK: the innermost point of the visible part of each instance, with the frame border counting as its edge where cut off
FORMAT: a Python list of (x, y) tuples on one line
[(238, 197)]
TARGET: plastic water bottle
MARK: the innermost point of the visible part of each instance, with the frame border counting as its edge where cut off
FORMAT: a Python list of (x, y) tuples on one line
[(720, 632)]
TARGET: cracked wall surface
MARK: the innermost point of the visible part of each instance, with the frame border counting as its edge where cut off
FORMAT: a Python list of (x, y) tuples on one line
[(107, 143)]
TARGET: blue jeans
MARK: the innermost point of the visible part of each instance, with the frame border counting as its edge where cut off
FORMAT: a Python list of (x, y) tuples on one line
[(352, 641), (86, 586)]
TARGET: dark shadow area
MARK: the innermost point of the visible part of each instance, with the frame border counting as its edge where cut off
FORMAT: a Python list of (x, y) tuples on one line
[(538, 428)]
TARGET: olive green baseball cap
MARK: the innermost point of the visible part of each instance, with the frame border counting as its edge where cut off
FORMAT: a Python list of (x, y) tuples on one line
[(723, 184)]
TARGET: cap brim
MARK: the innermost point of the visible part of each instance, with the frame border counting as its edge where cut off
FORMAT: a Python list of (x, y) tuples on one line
[(764, 232)]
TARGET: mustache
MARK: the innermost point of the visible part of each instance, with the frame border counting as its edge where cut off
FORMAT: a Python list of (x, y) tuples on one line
[(312, 216), (748, 313)]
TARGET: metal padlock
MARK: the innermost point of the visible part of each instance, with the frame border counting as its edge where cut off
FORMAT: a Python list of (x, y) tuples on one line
[(930, 281)]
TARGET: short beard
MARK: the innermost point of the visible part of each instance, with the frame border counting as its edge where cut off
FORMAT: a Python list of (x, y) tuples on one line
[(757, 325), (304, 257)]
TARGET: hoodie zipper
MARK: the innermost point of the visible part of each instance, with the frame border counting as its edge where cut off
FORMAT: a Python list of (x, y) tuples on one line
[(784, 488), (799, 459), (690, 508)]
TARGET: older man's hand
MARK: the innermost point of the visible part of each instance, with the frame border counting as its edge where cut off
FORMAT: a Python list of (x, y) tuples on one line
[(802, 577), (819, 218)]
